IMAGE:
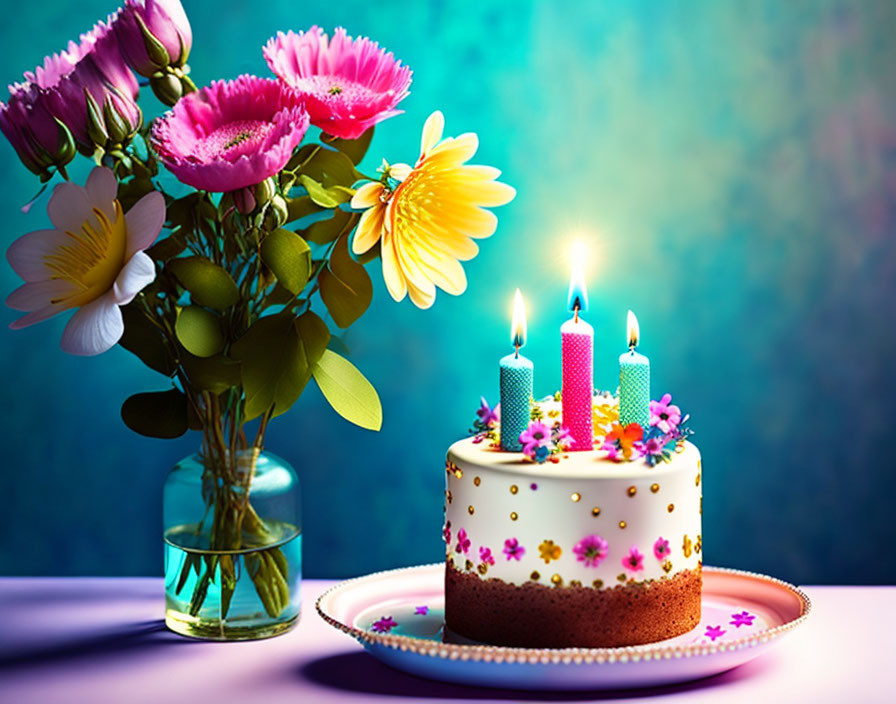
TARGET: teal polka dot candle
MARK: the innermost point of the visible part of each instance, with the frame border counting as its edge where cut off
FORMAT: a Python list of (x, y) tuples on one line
[(517, 376), (634, 381)]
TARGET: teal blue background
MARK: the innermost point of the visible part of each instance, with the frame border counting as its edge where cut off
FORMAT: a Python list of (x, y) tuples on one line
[(733, 165)]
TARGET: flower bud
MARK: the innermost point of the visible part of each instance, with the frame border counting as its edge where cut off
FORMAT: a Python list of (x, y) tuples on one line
[(264, 191), (39, 139), (167, 87), (276, 213), (244, 200), (153, 34)]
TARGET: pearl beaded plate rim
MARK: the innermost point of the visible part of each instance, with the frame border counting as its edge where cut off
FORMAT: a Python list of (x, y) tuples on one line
[(397, 615)]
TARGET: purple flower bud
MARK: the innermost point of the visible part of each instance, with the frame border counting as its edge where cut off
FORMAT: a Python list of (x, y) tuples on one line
[(153, 34), (39, 140)]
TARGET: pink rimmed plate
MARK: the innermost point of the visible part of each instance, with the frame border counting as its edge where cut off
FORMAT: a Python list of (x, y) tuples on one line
[(398, 617)]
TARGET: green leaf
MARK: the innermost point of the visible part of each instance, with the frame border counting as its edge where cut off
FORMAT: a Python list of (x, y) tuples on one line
[(325, 197), (289, 257), (216, 374), (169, 247), (314, 335), (142, 338), (327, 230), (354, 149), (345, 286), (348, 391), (209, 284), (301, 207), (199, 331), (330, 168), (274, 368), (157, 414)]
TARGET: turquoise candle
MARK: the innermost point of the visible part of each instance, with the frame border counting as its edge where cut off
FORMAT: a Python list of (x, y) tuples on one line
[(634, 381), (517, 375)]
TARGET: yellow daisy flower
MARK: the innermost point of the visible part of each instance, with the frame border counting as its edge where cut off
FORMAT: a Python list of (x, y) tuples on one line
[(427, 223)]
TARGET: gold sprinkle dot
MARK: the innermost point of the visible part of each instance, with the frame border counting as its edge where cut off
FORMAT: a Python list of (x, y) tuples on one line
[(622, 525), (557, 579), (469, 564), (535, 576), (621, 577), (459, 473), (654, 488), (482, 567), (575, 496), (514, 488), (667, 566), (575, 583), (449, 496), (470, 510), (476, 481), (670, 508), (598, 583), (699, 464), (513, 516), (697, 480), (595, 511), (632, 491)]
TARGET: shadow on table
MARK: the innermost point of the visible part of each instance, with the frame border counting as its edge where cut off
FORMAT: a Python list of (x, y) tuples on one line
[(361, 673), (140, 637)]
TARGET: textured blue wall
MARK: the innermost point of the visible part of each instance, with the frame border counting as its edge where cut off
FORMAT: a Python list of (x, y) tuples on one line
[(735, 164)]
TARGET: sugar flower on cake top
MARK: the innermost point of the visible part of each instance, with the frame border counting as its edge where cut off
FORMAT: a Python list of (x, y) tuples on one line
[(349, 85), (426, 217)]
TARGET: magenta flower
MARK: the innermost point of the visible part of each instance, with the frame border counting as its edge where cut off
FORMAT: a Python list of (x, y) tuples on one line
[(485, 555), (446, 533), (463, 542), (591, 550), (653, 450), (421, 610), (384, 625), (165, 21), (663, 415), (744, 618), (92, 260), (349, 86), (90, 89), (661, 549), (537, 435), (26, 121), (634, 561), (231, 134), (513, 549), (713, 632), (487, 416)]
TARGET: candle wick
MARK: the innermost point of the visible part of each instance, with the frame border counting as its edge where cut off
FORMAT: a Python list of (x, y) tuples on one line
[(575, 314), (517, 347)]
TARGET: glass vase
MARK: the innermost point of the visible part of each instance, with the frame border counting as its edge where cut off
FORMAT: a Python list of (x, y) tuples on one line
[(233, 546)]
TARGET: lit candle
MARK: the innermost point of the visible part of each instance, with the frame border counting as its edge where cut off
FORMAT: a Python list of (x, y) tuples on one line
[(578, 363), (516, 382), (634, 380)]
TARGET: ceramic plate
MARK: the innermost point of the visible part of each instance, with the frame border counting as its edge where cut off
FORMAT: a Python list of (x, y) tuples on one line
[(398, 617)]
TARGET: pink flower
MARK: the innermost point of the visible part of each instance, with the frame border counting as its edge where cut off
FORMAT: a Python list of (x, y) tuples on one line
[(487, 415), (713, 632), (634, 561), (349, 86), (591, 550), (744, 618), (446, 533), (421, 610), (231, 134), (664, 416), (165, 21), (463, 542), (33, 132), (513, 549), (90, 89), (92, 260), (485, 555), (384, 625), (538, 434), (661, 549)]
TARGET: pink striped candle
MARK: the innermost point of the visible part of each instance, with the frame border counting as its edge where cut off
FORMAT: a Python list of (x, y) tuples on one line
[(577, 338)]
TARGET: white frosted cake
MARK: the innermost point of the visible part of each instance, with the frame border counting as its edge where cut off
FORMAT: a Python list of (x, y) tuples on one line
[(579, 550)]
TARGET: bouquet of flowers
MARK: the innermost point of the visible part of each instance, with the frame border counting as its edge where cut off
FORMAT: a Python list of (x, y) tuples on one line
[(230, 283)]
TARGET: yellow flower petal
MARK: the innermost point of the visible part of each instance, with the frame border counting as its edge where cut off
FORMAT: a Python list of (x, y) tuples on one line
[(454, 151), (432, 132), (367, 195), (370, 228), (395, 282)]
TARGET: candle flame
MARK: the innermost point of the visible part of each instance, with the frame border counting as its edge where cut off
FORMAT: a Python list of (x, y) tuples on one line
[(634, 330), (518, 323), (578, 294)]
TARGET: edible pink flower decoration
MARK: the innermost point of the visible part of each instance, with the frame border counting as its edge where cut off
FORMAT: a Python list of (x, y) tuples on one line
[(591, 550), (661, 549), (487, 415), (92, 260), (463, 542), (513, 550), (485, 555), (384, 624), (165, 20), (664, 415), (349, 85), (231, 134), (744, 618), (713, 632), (634, 561), (538, 434)]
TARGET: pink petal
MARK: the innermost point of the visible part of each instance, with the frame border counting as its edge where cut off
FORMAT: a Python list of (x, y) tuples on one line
[(34, 295), (137, 274), (26, 254), (69, 207), (36, 316), (94, 328), (145, 220), (102, 189)]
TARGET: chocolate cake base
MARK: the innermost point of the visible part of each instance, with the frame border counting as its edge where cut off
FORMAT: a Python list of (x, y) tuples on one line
[(538, 616)]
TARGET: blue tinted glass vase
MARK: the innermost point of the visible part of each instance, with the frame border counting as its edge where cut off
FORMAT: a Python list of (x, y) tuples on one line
[(233, 546)]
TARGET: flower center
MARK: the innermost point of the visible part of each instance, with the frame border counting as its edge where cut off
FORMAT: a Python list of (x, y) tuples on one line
[(238, 138), (93, 258), (335, 90), (234, 139)]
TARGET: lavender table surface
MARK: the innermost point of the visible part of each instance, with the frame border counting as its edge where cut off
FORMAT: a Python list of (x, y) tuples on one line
[(104, 640)]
